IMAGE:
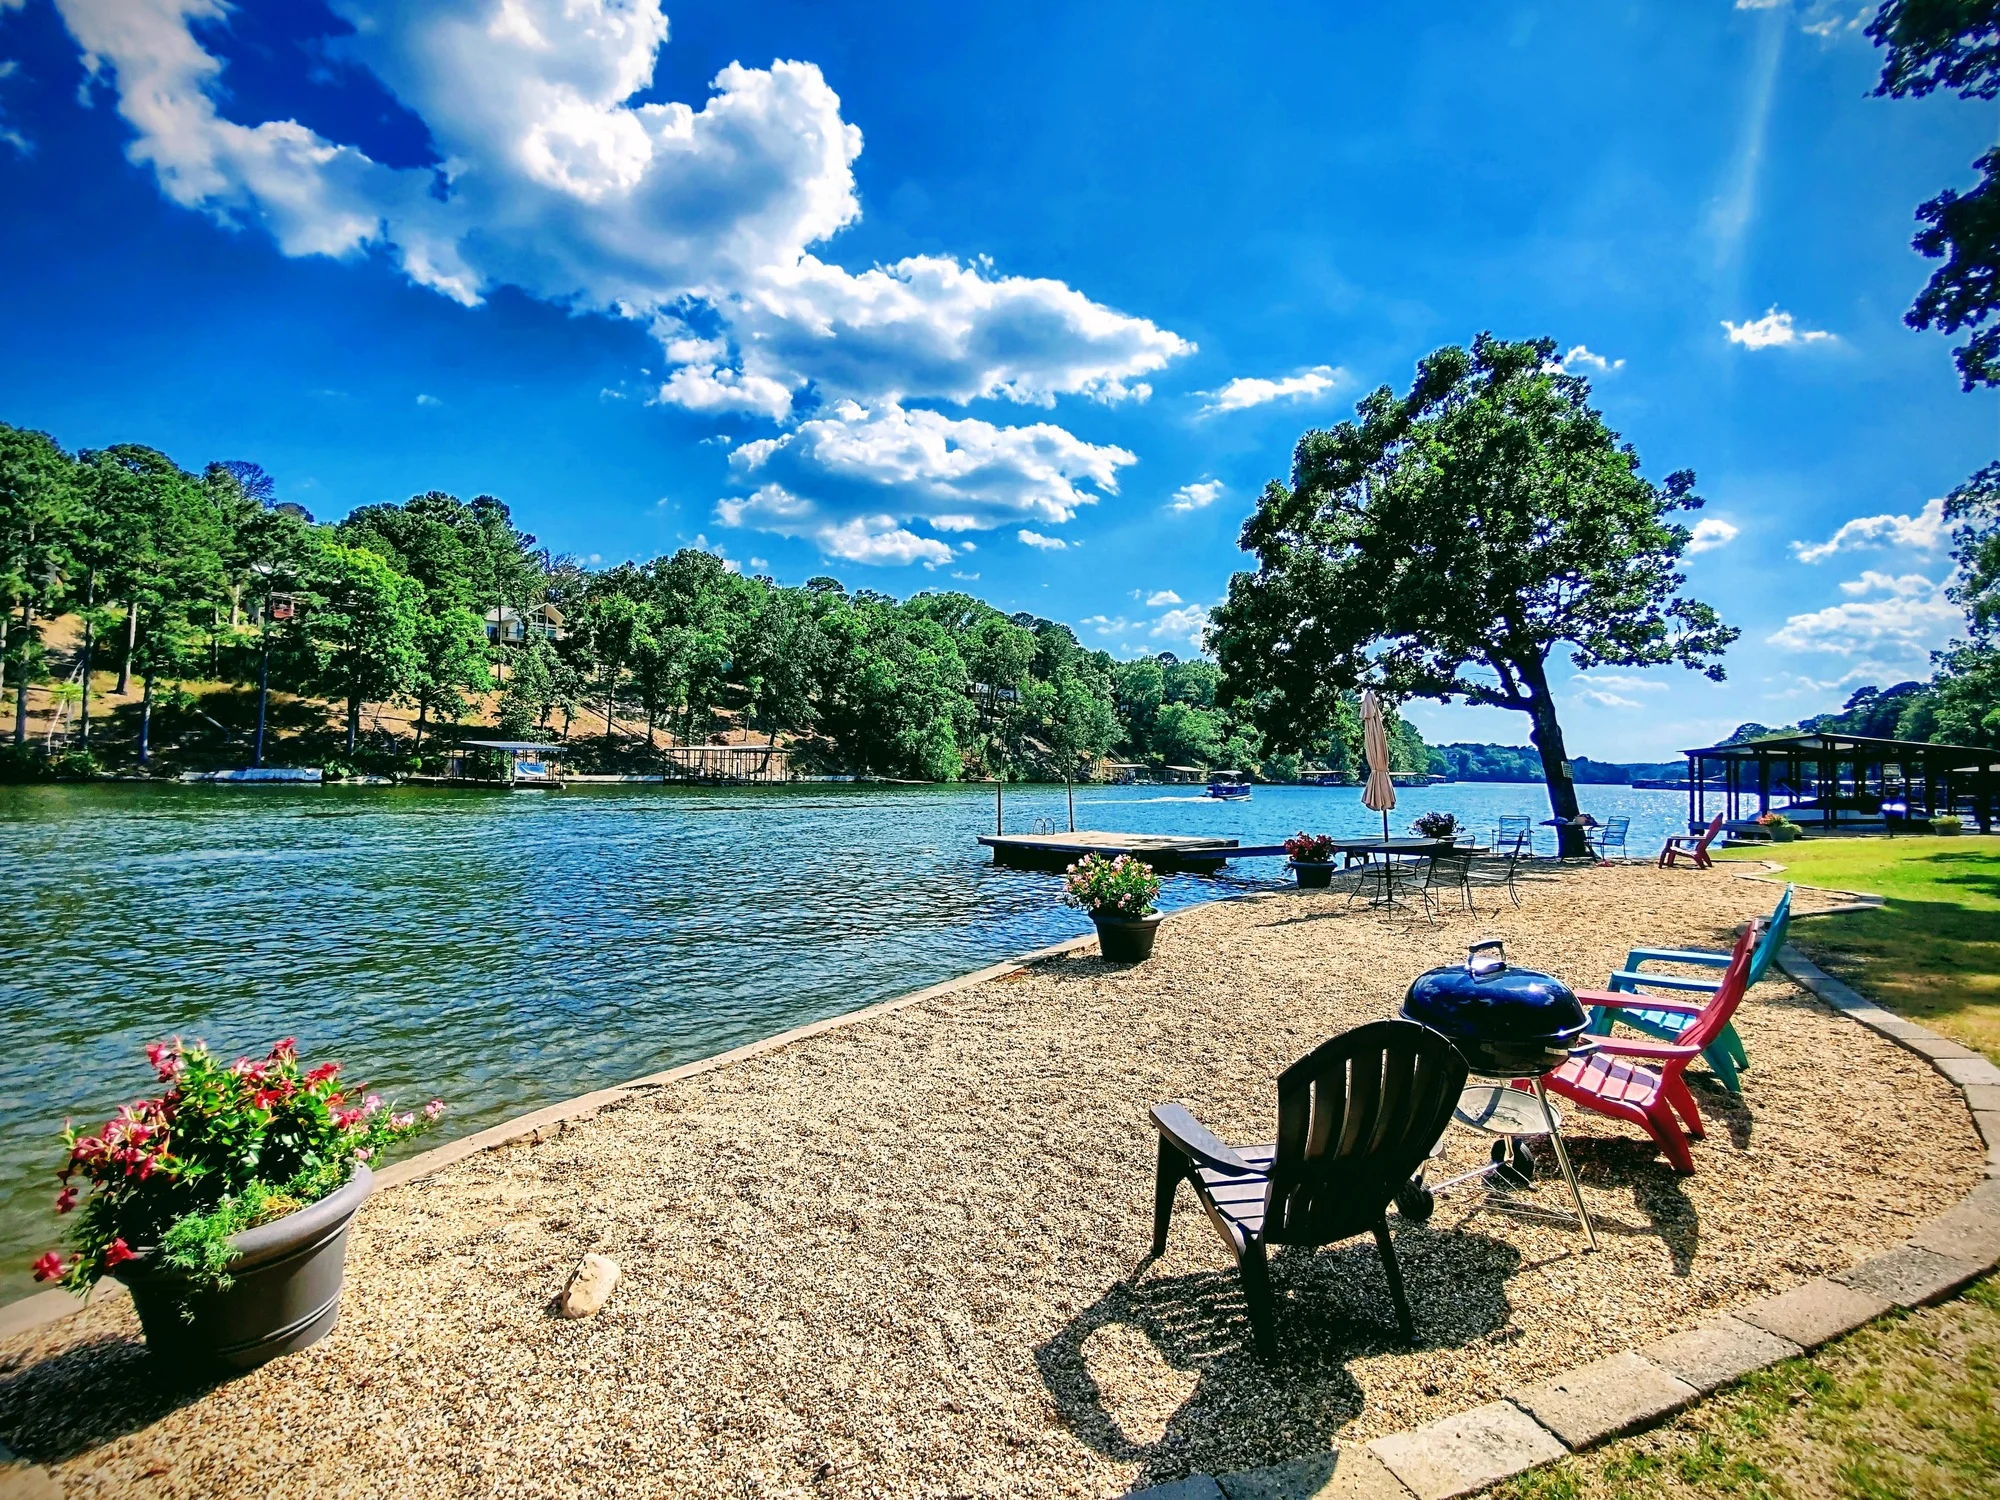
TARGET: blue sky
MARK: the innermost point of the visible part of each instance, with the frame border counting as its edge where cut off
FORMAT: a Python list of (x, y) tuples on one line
[(1026, 299)]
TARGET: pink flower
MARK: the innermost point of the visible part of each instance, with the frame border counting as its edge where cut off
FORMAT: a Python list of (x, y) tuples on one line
[(372, 1103), (363, 1154), (116, 1253), (49, 1267), (433, 1109), (66, 1200), (402, 1122)]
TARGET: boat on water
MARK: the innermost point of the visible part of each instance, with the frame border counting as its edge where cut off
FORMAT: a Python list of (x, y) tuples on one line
[(1230, 786)]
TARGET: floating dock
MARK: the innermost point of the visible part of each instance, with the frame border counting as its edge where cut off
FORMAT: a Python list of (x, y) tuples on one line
[(1174, 853)]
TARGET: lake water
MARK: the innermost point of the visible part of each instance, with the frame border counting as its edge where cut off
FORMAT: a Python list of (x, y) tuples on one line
[(509, 950)]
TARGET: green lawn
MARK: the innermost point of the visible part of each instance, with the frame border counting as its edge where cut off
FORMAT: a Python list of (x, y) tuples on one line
[(1906, 1407), (1933, 952)]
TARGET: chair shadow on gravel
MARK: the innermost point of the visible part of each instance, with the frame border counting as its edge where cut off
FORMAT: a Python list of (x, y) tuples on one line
[(1633, 1165), (1162, 1372), (89, 1394)]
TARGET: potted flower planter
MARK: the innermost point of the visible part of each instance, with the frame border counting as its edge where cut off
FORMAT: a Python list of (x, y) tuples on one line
[(1947, 827), (1126, 940), (284, 1290), (1313, 874), (1784, 833)]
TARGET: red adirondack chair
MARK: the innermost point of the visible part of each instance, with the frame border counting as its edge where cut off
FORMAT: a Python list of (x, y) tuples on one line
[(1693, 845), (1613, 1077)]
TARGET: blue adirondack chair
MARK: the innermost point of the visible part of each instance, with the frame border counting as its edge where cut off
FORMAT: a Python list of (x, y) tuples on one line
[(1725, 1055)]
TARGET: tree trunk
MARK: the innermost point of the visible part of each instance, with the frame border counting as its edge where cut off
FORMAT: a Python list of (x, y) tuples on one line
[(146, 720), (21, 683), (422, 709), (215, 642), (5, 621), (131, 644), (652, 715), (1572, 842), (89, 644), (235, 605), (353, 721)]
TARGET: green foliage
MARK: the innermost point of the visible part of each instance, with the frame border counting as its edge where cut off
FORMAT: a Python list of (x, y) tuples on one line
[(1122, 887), (1953, 45), (193, 1157)]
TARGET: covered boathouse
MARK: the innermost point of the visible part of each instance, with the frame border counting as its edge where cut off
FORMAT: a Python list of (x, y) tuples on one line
[(1848, 782)]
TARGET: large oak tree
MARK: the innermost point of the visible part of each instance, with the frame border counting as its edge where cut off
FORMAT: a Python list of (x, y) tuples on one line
[(1448, 542)]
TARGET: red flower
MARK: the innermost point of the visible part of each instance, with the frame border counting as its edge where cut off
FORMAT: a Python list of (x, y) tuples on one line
[(265, 1098), (323, 1072), (49, 1267), (288, 1047), (116, 1253), (66, 1200)]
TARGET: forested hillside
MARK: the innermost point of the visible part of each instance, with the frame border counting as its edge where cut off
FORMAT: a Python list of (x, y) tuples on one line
[(143, 605)]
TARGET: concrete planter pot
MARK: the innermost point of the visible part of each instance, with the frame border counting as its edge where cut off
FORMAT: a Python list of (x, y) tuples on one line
[(1126, 940), (1784, 835), (284, 1291), (1944, 828), (1313, 874)]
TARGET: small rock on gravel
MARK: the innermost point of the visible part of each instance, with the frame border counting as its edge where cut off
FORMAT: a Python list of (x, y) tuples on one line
[(589, 1286)]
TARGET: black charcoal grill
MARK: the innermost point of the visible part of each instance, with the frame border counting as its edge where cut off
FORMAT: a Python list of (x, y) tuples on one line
[(1507, 1023)]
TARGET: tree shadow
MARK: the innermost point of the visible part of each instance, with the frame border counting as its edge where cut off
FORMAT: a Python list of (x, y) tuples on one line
[(1333, 1307), (90, 1393)]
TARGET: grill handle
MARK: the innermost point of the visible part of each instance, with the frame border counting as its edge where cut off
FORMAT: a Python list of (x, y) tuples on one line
[(1479, 967)]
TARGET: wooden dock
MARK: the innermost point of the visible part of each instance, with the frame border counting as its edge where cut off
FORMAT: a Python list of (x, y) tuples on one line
[(1175, 853)]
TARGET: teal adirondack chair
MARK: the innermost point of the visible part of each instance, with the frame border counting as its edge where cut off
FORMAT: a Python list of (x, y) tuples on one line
[(1725, 1055)]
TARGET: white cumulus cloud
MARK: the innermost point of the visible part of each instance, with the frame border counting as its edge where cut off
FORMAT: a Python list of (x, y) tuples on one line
[(1581, 359), (1248, 390), (1909, 620), (1711, 532), (1605, 699), (873, 539), (1202, 492), (1045, 543), (1923, 532), (1186, 624), (1900, 586), (703, 222), (1161, 598), (955, 474), (1775, 330)]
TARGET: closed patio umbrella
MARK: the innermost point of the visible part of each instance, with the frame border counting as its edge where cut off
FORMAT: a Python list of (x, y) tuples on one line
[(1380, 793)]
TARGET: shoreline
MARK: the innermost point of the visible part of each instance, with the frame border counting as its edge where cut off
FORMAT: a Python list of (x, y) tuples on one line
[(39, 1309), (893, 1253)]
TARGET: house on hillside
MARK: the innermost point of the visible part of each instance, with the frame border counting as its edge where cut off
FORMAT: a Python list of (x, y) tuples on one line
[(507, 626)]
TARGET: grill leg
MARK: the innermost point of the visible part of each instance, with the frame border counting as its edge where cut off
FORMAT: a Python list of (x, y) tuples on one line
[(1562, 1157)]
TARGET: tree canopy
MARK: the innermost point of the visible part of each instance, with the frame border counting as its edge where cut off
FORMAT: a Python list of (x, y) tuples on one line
[(1446, 543), (1954, 45)]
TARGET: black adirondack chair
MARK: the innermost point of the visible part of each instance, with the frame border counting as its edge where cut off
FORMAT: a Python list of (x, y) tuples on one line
[(1356, 1117)]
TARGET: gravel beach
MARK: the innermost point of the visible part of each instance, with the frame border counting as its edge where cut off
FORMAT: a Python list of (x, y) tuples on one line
[(908, 1256)]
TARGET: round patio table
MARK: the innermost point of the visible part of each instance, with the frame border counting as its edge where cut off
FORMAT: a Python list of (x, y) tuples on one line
[(1390, 852)]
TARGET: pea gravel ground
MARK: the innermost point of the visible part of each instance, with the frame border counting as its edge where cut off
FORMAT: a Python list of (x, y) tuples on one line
[(908, 1256)]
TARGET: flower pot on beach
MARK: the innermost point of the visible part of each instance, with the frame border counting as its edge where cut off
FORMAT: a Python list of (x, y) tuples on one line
[(1118, 894), (1311, 857), (224, 1203), (1126, 940), (283, 1292)]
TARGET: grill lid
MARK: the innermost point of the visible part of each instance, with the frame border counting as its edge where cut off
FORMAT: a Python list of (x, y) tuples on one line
[(1506, 1021)]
